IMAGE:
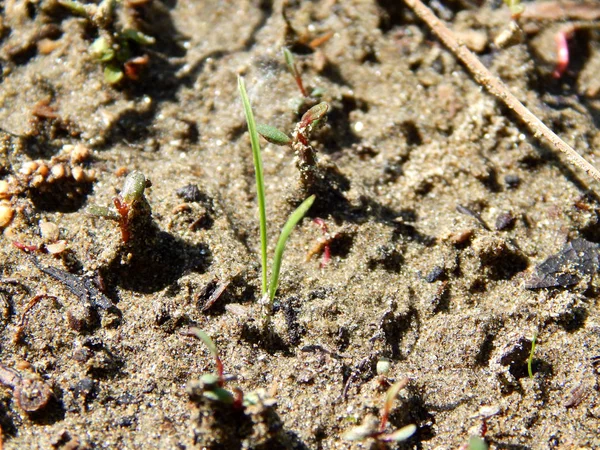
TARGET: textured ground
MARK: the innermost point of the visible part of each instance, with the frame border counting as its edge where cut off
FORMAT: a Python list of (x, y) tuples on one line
[(440, 207)]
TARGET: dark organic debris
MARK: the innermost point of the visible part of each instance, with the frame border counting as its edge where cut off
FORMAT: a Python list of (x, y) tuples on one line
[(469, 212), (82, 287), (190, 193), (30, 393), (566, 268)]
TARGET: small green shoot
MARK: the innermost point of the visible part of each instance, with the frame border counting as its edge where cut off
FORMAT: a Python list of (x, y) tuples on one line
[(115, 48), (268, 291), (210, 385), (530, 360), (370, 428), (477, 443), (289, 60), (260, 185), (293, 220), (212, 348), (515, 7)]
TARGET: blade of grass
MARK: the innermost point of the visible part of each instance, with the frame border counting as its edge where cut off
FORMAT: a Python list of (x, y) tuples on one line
[(260, 184), (295, 217), (530, 360)]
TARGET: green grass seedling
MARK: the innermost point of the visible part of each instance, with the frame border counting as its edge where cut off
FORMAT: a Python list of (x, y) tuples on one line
[(530, 360), (268, 289)]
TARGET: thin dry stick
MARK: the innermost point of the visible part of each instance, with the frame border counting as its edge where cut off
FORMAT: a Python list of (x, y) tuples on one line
[(497, 88)]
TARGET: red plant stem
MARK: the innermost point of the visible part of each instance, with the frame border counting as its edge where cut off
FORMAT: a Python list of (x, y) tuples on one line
[(25, 248), (298, 79), (123, 210), (219, 365), (238, 398)]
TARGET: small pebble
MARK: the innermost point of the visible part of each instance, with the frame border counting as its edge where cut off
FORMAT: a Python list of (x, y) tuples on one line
[(79, 153), (4, 189), (435, 274), (6, 214), (512, 181), (504, 221), (58, 171), (190, 193), (78, 174), (49, 231)]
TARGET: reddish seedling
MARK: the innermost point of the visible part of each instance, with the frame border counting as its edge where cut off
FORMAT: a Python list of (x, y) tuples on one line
[(371, 430), (324, 244), (291, 63), (212, 348)]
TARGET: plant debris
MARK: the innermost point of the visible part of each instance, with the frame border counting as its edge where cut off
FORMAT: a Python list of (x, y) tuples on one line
[(577, 259)]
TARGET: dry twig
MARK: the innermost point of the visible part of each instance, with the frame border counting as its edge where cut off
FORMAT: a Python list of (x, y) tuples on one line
[(497, 88)]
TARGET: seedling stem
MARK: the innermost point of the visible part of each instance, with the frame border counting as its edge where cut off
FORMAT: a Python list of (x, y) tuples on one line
[(260, 187)]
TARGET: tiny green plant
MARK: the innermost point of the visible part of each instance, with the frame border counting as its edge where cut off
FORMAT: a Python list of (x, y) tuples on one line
[(371, 429), (114, 48), (289, 60), (269, 289), (300, 142), (515, 7), (131, 195), (530, 360), (211, 385)]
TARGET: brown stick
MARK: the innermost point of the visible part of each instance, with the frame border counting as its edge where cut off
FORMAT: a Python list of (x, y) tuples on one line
[(497, 88)]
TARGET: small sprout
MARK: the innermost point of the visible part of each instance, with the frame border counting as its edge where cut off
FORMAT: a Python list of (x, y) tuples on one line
[(370, 428), (133, 187), (293, 220), (273, 135), (530, 360), (515, 7), (289, 60), (268, 290), (113, 74), (390, 397), (314, 115), (101, 50), (477, 443), (212, 348), (138, 36)]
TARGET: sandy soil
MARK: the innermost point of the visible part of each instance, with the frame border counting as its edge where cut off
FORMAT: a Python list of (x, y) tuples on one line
[(439, 207)]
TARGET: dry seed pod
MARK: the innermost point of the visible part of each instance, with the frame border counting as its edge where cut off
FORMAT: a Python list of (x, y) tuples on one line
[(32, 395)]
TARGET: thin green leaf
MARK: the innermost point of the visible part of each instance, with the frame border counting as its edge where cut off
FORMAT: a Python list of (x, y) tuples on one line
[(138, 36), (399, 435), (75, 7), (102, 211), (212, 348), (272, 134), (530, 360), (260, 184), (295, 217), (289, 60)]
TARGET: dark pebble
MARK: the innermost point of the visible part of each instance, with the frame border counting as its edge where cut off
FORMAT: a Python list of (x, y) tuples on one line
[(189, 193), (512, 181), (436, 273), (505, 221)]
